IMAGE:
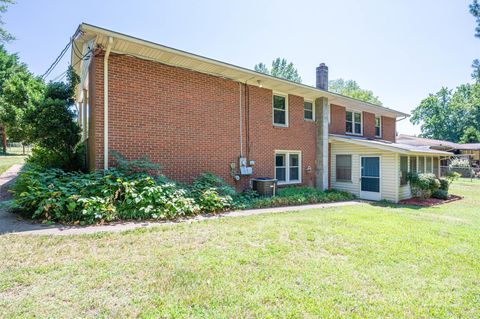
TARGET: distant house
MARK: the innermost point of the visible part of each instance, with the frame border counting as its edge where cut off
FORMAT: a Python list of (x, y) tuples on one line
[(193, 114), (469, 150)]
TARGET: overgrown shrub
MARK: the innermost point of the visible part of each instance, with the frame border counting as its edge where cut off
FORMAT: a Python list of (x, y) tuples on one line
[(72, 197), (423, 185), (208, 181), (444, 184), (299, 196), (140, 165), (212, 202), (86, 198), (440, 194)]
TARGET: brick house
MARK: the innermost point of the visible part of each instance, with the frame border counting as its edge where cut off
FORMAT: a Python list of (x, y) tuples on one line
[(193, 114)]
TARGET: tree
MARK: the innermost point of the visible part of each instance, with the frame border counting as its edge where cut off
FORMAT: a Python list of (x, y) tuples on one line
[(52, 126), (280, 69), (9, 65), (4, 35), (447, 114), (475, 11), (471, 135), (476, 70), (20, 94), (352, 89)]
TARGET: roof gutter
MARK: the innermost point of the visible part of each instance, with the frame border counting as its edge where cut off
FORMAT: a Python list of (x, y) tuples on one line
[(321, 93), (105, 103)]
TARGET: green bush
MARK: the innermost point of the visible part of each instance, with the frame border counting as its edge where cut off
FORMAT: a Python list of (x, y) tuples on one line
[(208, 181), (440, 194), (299, 196), (423, 185), (444, 184), (75, 197), (140, 165), (212, 202)]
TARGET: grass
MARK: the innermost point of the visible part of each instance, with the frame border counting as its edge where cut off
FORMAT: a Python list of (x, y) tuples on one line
[(364, 261), (8, 161)]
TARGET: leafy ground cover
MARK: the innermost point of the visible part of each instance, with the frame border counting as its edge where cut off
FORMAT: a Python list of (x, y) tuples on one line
[(76, 197), (364, 261)]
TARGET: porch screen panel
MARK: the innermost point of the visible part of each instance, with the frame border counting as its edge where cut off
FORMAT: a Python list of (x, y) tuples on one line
[(413, 164), (429, 165), (421, 164), (435, 166), (403, 170)]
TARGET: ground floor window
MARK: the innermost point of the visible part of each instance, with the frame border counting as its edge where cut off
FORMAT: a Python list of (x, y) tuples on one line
[(344, 168), (288, 167)]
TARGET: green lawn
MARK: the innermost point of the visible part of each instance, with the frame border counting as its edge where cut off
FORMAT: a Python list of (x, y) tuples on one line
[(7, 161), (364, 261)]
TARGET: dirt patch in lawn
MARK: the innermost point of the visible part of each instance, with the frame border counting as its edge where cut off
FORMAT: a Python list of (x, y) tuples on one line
[(430, 201)]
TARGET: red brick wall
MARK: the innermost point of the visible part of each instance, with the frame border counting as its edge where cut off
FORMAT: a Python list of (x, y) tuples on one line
[(265, 138), (337, 120), (368, 124), (388, 128), (337, 123), (189, 121)]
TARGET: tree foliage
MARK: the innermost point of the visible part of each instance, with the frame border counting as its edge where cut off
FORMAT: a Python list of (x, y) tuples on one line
[(352, 89), (471, 135), (52, 125), (447, 114), (5, 36), (475, 11), (281, 69)]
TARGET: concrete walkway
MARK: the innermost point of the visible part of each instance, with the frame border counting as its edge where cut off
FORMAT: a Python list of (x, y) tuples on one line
[(12, 224), (7, 178)]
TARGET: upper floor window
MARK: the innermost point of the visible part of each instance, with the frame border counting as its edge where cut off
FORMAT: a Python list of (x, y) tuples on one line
[(378, 126), (308, 110), (280, 110), (353, 122)]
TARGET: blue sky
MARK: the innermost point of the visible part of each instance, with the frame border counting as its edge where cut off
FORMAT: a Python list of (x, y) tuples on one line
[(401, 50)]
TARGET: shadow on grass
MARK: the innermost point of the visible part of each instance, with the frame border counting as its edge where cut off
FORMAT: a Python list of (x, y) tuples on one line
[(388, 204)]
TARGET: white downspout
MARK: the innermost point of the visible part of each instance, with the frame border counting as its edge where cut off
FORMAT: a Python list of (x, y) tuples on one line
[(105, 103)]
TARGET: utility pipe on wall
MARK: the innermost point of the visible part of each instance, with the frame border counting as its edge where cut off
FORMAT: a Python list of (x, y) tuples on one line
[(105, 103)]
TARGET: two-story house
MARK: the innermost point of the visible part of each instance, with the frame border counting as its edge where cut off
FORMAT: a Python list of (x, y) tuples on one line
[(193, 114)]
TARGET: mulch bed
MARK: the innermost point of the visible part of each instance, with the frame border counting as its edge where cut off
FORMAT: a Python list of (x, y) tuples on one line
[(430, 201)]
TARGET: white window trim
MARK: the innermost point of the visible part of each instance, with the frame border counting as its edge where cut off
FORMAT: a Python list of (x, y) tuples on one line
[(313, 110), (286, 109), (353, 122), (287, 167), (381, 124)]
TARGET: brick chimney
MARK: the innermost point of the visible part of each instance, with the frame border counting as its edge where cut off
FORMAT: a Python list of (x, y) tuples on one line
[(322, 77)]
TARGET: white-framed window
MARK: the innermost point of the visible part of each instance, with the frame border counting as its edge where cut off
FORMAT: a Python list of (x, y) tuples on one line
[(378, 126), (280, 110), (343, 169), (288, 167), (353, 122), (308, 110)]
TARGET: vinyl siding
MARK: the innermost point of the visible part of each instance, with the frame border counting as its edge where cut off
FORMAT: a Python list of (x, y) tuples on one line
[(389, 169)]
